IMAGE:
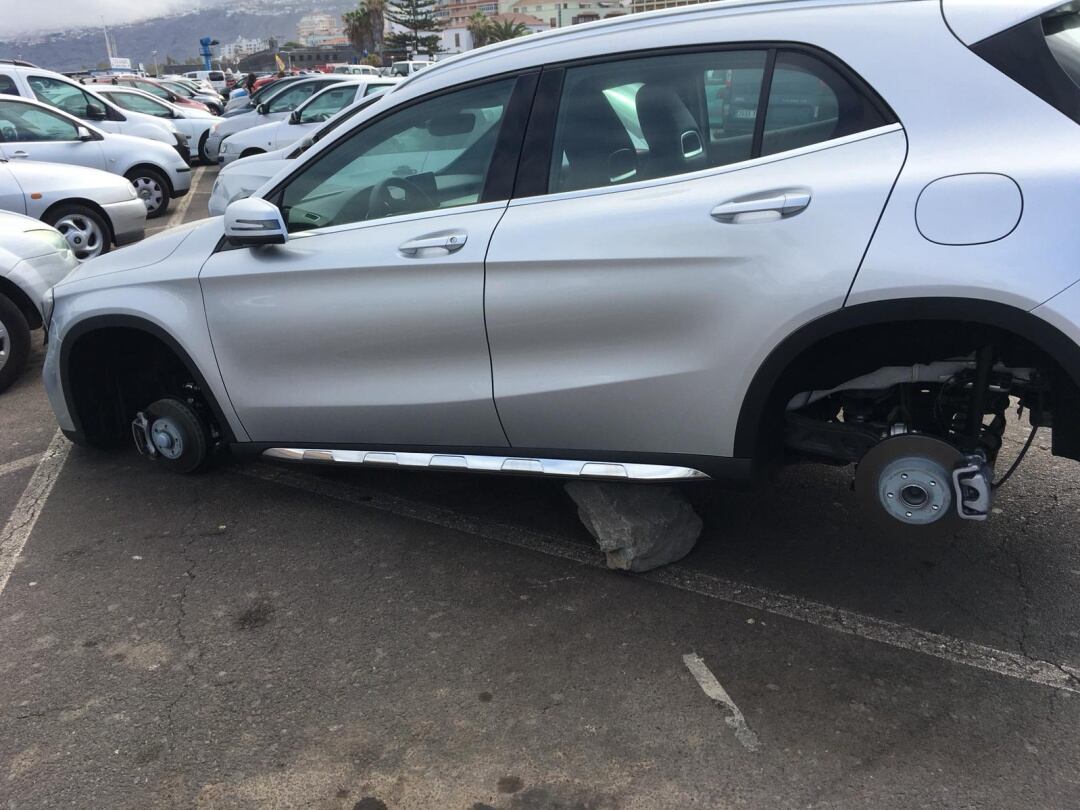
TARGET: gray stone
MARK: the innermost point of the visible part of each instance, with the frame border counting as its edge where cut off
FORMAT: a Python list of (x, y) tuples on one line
[(639, 527)]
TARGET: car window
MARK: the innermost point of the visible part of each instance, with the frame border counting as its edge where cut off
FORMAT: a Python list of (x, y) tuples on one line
[(376, 89), (810, 102), (140, 104), (152, 89), (431, 155), (327, 104), (217, 77), (653, 117), (8, 86), (292, 97), (25, 122), (67, 97)]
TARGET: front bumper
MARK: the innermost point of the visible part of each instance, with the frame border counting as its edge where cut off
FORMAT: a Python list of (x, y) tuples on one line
[(181, 182), (38, 275), (213, 145), (128, 220)]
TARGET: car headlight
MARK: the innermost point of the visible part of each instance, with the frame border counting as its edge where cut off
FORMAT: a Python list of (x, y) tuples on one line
[(224, 147), (50, 237)]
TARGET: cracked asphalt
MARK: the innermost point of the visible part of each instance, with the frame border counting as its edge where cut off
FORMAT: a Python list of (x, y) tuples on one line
[(264, 636)]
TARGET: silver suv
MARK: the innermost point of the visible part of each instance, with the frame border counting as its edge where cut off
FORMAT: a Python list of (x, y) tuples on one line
[(686, 244)]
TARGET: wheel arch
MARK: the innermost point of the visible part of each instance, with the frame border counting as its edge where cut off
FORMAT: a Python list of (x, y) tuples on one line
[(100, 323), (143, 164), (771, 385), (93, 206), (9, 289)]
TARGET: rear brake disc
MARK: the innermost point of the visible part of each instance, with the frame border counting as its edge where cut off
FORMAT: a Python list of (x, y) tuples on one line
[(907, 480)]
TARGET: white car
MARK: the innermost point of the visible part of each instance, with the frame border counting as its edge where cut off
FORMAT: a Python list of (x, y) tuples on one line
[(841, 231), (93, 209), (305, 119), (30, 130), (277, 105), (408, 68), (213, 79), (33, 257), (84, 103), (242, 178), (194, 124)]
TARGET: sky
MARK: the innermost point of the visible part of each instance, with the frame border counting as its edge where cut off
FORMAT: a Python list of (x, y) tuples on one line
[(19, 16)]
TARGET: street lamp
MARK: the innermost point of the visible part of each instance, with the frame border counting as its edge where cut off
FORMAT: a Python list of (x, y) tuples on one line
[(154, 54)]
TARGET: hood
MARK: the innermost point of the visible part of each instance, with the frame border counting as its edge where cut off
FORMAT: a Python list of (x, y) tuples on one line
[(27, 238), (150, 251), (138, 145), (102, 187), (243, 164)]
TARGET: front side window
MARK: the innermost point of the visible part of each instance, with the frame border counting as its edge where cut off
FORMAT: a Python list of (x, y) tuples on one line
[(8, 86), (660, 116), (64, 96), (291, 98), (140, 104), (431, 155), (26, 123), (152, 89), (327, 104)]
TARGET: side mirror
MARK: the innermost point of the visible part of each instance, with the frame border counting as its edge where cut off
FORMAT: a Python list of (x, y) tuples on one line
[(254, 221), (84, 134), (95, 113), (262, 109), (294, 117)]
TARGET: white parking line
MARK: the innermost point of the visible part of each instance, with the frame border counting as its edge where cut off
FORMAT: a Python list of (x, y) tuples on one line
[(1063, 676), (17, 530), (19, 464), (718, 694), (176, 216)]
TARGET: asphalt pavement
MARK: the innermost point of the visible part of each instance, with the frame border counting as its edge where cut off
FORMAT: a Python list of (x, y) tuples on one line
[(271, 636)]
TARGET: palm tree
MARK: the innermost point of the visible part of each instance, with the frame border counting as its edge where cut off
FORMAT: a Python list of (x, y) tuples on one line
[(364, 26), (480, 27), (501, 30)]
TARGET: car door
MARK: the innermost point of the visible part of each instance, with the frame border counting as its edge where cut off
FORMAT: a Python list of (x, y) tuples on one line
[(31, 132), (673, 221), (11, 193), (367, 326), (75, 101)]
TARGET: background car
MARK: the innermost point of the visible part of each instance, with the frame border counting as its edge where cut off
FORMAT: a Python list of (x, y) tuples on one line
[(194, 124), (92, 209), (152, 87), (213, 101), (306, 118), (276, 105), (33, 257), (30, 130), (83, 103), (216, 79), (267, 84)]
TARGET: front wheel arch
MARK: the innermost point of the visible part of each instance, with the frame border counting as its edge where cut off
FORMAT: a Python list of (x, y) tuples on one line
[(832, 345)]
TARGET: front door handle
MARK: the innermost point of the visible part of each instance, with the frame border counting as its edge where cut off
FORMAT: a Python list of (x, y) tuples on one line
[(447, 242), (19, 153), (786, 204)]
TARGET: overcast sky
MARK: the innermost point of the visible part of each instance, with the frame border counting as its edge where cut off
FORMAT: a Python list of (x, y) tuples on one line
[(52, 15)]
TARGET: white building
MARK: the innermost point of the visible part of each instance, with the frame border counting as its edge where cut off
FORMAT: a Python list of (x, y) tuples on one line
[(319, 29), (235, 51)]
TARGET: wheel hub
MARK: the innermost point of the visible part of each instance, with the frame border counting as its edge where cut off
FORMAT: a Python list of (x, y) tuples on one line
[(908, 479), (167, 438)]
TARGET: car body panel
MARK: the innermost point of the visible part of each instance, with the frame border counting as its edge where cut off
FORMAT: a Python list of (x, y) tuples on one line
[(33, 256), (194, 124)]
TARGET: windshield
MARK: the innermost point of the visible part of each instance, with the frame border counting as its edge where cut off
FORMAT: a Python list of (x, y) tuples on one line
[(1062, 30)]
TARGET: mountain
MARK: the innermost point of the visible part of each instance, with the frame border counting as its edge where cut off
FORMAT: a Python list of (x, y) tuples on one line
[(176, 35)]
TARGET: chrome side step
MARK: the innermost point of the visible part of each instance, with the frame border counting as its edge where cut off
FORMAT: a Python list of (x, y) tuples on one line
[(492, 464)]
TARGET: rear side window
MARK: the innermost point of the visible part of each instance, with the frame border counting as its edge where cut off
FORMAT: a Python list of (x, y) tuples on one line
[(8, 86), (653, 117), (1042, 55)]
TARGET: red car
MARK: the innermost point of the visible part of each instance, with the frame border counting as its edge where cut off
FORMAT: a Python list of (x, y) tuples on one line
[(152, 87)]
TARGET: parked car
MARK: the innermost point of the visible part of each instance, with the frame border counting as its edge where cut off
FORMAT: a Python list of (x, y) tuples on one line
[(214, 102), (152, 87), (30, 130), (408, 68), (306, 118), (237, 105), (83, 103), (485, 274), (242, 178), (92, 209), (276, 106), (356, 70), (194, 124), (214, 78), (33, 257)]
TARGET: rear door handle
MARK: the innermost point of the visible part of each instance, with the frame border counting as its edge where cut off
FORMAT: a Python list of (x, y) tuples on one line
[(449, 241), (19, 153), (787, 204)]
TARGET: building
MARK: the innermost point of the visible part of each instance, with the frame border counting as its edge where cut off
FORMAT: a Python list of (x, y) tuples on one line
[(653, 5), (320, 29), (557, 14), (235, 51), (458, 38), (456, 14)]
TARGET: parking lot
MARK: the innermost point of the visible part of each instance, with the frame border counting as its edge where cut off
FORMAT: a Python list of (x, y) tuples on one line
[(269, 636)]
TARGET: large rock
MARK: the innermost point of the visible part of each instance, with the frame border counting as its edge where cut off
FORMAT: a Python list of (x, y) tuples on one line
[(638, 527)]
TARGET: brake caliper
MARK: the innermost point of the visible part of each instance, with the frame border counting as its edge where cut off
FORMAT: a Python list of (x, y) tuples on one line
[(973, 481)]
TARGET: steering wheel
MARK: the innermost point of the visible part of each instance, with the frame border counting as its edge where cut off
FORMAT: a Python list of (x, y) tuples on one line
[(382, 203)]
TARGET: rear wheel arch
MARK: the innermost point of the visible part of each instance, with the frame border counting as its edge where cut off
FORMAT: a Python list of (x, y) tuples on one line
[(142, 340), (841, 345)]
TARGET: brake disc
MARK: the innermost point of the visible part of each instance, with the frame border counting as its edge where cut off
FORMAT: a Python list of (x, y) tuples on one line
[(907, 480)]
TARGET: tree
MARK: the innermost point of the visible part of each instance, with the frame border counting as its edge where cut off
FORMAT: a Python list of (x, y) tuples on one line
[(364, 26), (416, 17), (479, 26), (502, 30)]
